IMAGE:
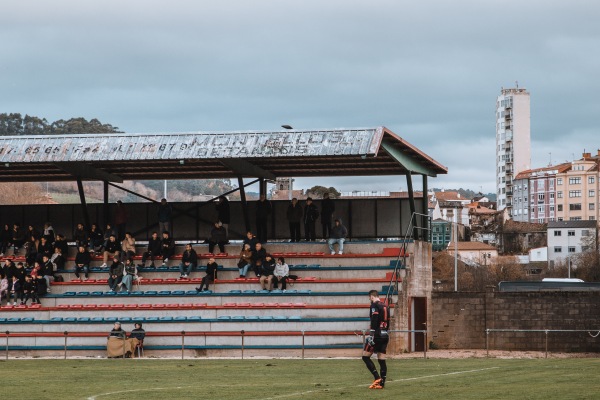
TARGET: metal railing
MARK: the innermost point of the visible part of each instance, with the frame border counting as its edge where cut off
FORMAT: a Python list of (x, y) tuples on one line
[(545, 331)]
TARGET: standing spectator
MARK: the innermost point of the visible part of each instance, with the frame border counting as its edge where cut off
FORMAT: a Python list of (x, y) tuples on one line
[(294, 216), (121, 217), (80, 236), (129, 275), (18, 238), (250, 240), (218, 236), (40, 285), (115, 274), (57, 259), (245, 260), (263, 209), (258, 256), (112, 248), (95, 238), (311, 213), (62, 244), (327, 210), (266, 273), (189, 261), (128, 246), (5, 239), (154, 250), (82, 263), (165, 215), (223, 213), (337, 235), (211, 274), (167, 247), (282, 270), (49, 232), (32, 250)]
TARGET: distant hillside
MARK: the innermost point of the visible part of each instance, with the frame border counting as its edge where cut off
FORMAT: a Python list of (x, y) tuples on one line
[(468, 193)]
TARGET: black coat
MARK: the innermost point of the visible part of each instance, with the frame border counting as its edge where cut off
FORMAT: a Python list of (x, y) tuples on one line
[(294, 213), (223, 213), (263, 209)]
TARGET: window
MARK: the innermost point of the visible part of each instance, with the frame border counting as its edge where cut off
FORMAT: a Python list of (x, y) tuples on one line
[(571, 233), (591, 206), (575, 181), (592, 218), (551, 208), (585, 232), (591, 179), (559, 218), (559, 195), (575, 219), (575, 207), (560, 206), (591, 193), (557, 249), (551, 195), (574, 193), (541, 196), (559, 181), (557, 233), (571, 249)]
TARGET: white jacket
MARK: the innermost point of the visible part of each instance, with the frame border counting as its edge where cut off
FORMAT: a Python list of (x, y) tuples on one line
[(281, 270)]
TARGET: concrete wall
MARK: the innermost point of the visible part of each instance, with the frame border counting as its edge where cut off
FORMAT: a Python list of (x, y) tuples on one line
[(459, 320)]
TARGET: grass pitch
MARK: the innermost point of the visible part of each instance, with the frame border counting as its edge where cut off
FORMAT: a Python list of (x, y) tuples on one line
[(294, 379)]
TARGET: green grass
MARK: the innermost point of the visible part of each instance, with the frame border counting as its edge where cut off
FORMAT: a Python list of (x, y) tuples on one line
[(294, 379)]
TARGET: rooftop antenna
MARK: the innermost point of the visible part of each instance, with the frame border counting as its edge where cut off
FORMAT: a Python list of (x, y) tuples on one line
[(550, 159), (517, 84)]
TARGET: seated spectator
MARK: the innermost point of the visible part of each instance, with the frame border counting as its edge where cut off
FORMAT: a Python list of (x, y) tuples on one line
[(167, 247), (36, 270), (19, 272), (154, 250), (32, 249), (337, 235), (118, 345), (139, 333), (281, 273), (61, 243), (258, 256), (18, 238), (82, 263), (15, 290), (95, 238), (189, 261), (218, 236), (245, 260), (80, 236), (3, 288), (250, 240), (211, 274), (107, 233), (129, 275), (115, 274), (44, 248), (266, 273), (112, 249), (5, 239), (29, 291), (128, 246), (8, 268), (31, 231), (48, 271), (57, 259), (49, 232)]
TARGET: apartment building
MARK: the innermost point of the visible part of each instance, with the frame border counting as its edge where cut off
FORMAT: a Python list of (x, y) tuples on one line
[(577, 195), (568, 238)]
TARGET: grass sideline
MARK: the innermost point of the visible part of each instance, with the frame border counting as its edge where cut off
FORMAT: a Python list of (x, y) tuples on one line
[(446, 379)]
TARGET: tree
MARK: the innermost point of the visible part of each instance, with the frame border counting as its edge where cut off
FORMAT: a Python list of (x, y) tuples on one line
[(318, 191), (15, 124)]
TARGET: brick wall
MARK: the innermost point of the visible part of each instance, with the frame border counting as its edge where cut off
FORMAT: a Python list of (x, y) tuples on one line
[(459, 320)]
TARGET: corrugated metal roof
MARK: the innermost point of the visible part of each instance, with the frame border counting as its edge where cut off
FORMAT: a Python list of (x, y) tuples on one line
[(572, 224)]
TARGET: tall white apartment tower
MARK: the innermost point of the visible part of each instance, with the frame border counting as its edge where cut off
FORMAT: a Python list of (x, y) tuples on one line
[(513, 142)]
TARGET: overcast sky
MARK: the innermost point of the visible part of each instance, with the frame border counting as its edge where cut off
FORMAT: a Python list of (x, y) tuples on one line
[(428, 70)]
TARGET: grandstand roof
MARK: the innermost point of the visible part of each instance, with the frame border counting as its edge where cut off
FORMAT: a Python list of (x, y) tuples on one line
[(199, 155)]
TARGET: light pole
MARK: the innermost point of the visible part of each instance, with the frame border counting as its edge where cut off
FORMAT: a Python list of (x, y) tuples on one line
[(455, 249)]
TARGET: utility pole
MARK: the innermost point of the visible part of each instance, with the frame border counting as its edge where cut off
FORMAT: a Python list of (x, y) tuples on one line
[(455, 249)]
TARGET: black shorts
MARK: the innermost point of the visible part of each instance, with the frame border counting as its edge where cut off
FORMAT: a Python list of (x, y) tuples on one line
[(380, 346)]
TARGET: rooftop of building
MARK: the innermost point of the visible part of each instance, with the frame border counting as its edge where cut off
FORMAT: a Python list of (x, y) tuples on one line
[(572, 224), (465, 246)]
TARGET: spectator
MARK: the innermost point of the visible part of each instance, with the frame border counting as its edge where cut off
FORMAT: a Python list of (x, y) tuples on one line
[(266, 273), (337, 235), (218, 236), (62, 244), (15, 290), (40, 284), (80, 236), (245, 260), (139, 333), (49, 232), (167, 247), (129, 275), (31, 231), (3, 288), (223, 212), (18, 238), (281, 273), (211, 275), (5, 239), (112, 248), (95, 238), (115, 274), (19, 272), (121, 217), (107, 232), (57, 259), (250, 240), (258, 256), (8, 268), (36, 271), (32, 250), (189, 261), (327, 210), (29, 291), (263, 209), (311, 213), (48, 270), (128, 246), (82, 263), (45, 248), (118, 345), (154, 250), (294, 216), (165, 214)]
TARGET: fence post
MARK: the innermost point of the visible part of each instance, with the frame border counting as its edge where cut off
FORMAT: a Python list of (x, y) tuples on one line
[(487, 343), (303, 344), (7, 333), (182, 343), (546, 331), (425, 344), (66, 335), (243, 332)]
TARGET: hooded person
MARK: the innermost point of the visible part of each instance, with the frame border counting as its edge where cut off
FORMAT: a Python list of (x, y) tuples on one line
[(337, 235)]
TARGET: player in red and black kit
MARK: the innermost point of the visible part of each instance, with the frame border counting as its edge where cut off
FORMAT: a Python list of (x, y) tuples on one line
[(377, 340)]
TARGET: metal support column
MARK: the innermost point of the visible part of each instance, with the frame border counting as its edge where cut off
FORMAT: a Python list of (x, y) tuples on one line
[(262, 186), (86, 214), (411, 201), (244, 202), (427, 232), (105, 210)]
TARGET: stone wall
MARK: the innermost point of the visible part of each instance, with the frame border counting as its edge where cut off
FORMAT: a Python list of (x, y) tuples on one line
[(459, 320)]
